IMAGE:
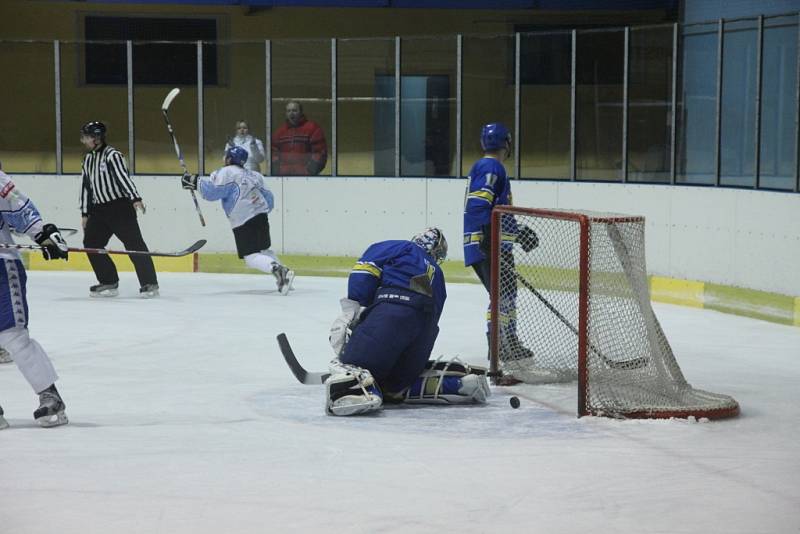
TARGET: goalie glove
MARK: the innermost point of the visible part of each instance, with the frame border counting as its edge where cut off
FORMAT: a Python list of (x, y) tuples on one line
[(527, 238), (53, 244), (343, 325), (189, 181)]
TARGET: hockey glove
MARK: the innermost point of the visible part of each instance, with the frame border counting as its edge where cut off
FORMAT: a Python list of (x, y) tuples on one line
[(189, 181), (53, 244), (343, 325), (527, 238)]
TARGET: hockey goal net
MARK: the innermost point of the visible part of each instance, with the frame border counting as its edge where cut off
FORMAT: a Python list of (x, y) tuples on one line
[(573, 304)]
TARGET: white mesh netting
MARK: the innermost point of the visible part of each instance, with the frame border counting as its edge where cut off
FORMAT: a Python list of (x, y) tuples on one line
[(629, 367)]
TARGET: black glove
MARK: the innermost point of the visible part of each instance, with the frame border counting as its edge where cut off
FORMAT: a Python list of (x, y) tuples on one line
[(527, 238), (189, 181), (54, 245), (485, 245)]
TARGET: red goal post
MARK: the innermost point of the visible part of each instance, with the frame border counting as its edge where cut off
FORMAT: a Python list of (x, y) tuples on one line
[(570, 302)]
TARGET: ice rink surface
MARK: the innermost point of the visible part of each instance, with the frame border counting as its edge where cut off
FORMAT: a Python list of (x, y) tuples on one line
[(185, 419)]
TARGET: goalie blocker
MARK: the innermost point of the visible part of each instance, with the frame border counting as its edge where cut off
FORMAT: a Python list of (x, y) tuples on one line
[(351, 390)]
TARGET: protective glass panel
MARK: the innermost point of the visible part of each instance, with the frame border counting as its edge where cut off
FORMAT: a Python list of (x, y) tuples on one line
[(697, 130), (779, 104), (599, 93), (737, 137), (545, 77), (364, 114), (28, 104), (650, 104), (83, 102), (487, 93), (301, 76), (428, 107), (155, 153), (235, 111)]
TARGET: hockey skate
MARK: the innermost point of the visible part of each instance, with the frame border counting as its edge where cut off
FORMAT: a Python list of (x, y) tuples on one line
[(51, 409), (3, 422), (148, 291), (351, 390), (104, 290), (283, 278), (5, 357)]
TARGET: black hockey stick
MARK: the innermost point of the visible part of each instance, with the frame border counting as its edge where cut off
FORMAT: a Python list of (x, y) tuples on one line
[(189, 250), (634, 363), (164, 110), (303, 376)]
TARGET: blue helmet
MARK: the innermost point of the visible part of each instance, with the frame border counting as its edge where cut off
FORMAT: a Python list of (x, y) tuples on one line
[(495, 136), (236, 155)]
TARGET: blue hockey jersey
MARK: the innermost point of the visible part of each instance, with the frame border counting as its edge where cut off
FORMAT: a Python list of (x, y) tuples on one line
[(397, 264), (488, 187)]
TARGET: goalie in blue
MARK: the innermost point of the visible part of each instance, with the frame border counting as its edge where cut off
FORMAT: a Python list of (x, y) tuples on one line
[(385, 334)]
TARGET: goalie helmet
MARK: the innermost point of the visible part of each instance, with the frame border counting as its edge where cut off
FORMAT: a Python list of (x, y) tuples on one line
[(94, 128), (433, 242), (236, 155), (495, 136)]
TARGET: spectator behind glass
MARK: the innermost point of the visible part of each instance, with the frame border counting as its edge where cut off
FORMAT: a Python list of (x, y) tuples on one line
[(298, 146), (253, 146)]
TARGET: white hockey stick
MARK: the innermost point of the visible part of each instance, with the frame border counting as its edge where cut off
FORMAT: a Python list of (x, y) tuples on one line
[(164, 110)]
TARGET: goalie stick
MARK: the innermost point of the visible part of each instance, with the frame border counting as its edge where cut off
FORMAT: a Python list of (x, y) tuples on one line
[(303, 376), (633, 363), (188, 250), (164, 110)]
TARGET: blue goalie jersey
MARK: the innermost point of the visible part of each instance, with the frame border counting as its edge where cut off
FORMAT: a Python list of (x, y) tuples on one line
[(397, 264), (488, 187)]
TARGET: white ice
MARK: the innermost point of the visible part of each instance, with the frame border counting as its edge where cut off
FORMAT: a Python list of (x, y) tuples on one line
[(185, 419)]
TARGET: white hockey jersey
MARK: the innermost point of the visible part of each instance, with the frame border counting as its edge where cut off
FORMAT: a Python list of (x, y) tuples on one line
[(241, 191), (17, 213)]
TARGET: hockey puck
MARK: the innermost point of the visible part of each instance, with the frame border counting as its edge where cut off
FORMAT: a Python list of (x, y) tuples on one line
[(514, 402)]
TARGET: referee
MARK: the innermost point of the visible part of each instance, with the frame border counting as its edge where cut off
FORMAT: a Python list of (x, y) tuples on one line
[(109, 201)]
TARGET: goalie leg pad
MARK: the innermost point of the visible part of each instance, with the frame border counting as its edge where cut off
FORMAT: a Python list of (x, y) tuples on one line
[(449, 382), (351, 390)]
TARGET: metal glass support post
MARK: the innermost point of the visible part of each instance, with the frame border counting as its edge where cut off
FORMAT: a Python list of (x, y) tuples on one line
[(333, 106), (517, 94), (268, 106), (459, 76), (201, 168), (625, 82), (131, 144), (757, 125), (397, 106), (718, 140), (572, 107), (797, 116), (57, 91), (673, 136)]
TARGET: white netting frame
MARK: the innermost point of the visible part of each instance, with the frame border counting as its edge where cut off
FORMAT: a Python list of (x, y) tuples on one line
[(577, 307)]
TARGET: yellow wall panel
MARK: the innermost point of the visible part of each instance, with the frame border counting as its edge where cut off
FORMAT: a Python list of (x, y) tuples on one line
[(79, 262)]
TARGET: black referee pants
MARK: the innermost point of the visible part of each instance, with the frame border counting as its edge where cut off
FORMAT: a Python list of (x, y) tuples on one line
[(118, 218)]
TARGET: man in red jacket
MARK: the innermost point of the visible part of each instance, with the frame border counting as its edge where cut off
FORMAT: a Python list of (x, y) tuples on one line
[(298, 147)]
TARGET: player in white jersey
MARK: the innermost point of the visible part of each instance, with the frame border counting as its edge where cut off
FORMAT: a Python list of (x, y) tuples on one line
[(18, 213), (246, 202)]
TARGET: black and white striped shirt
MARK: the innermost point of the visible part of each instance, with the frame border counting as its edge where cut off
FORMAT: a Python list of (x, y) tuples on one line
[(105, 178)]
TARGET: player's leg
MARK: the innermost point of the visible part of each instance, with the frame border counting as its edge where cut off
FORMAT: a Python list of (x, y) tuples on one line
[(96, 235), (31, 360), (368, 357), (449, 382), (3, 422), (126, 227)]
